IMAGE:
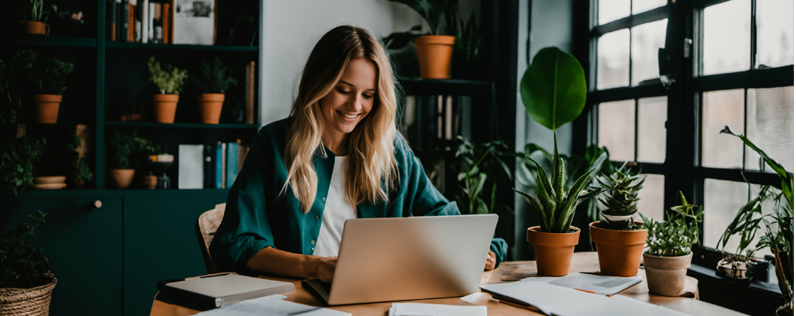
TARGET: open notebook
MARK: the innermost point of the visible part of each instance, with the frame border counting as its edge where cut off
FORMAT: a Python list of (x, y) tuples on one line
[(597, 284), (557, 300)]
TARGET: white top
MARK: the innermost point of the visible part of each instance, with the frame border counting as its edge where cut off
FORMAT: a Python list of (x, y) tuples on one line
[(337, 210)]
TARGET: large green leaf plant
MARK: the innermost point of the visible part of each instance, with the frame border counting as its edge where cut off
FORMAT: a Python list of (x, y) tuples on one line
[(553, 91)]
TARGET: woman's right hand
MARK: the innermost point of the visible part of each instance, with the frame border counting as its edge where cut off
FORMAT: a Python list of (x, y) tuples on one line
[(325, 268)]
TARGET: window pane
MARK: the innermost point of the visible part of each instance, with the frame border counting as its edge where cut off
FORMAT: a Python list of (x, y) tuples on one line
[(612, 10), (646, 5), (768, 208), (652, 129), (651, 197), (616, 129), (774, 33), (722, 108), (723, 199), (647, 38), (726, 37), (770, 126), (613, 59)]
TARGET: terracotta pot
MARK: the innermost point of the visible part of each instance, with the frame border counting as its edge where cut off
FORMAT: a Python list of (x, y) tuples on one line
[(553, 251), (47, 106), (165, 107), (619, 251), (666, 275), (434, 54), (210, 105), (121, 178), (150, 182), (34, 28)]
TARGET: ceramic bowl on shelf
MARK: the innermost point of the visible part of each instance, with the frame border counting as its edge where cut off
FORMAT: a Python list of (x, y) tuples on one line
[(49, 186), (49, 180)]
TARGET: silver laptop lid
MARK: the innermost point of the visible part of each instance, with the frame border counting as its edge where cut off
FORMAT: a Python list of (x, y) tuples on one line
[(393, 259)]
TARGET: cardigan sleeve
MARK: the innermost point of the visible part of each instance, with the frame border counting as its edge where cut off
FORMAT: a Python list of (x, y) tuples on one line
[(423, 199), (245, 229)]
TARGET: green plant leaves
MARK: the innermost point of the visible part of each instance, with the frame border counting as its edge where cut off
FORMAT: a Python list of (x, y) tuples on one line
[(676, 235), (553, 88)]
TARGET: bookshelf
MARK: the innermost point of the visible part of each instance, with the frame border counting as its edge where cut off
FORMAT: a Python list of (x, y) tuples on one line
[(111, 77)]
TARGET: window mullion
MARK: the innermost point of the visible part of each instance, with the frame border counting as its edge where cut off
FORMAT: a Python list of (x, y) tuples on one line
[(753, 39)]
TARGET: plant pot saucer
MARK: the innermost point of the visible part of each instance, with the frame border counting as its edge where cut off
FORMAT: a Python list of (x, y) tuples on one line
[(49, 180), (49, 186)]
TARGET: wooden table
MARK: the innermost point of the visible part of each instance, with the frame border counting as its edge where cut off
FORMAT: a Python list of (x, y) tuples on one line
[(507, 272)]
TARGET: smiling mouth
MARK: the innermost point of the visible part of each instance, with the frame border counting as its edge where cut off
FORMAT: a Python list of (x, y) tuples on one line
[(348, 116)]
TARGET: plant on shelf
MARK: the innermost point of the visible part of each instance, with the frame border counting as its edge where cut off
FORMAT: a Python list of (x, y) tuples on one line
[(26, 278), (122, 147), (669, 255), (434, 51), (45, 78), (777, 232), (169, 81), (214, 79), (34, 17), (553, 91), (16, 163)]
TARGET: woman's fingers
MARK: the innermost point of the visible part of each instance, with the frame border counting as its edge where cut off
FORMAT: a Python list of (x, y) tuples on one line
[(491, 261)]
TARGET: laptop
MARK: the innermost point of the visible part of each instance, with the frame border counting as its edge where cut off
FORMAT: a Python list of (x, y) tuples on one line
[(395, 259)]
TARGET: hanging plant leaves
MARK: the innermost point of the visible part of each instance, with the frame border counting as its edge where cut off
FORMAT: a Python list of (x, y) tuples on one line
[(553, 88)]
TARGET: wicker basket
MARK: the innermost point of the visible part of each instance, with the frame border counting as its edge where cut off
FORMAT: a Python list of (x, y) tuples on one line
[(27, 302)]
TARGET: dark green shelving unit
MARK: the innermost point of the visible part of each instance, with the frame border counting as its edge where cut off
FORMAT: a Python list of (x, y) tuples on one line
[(181, 125)]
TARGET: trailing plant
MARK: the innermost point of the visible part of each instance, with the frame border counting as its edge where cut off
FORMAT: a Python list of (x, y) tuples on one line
[(34, 11), (168, 79), (214, 77), (83, 170), (22, 264), (16, 163), (674, 236), (621, 197), (434, 12), (477, 163), (123, 146)]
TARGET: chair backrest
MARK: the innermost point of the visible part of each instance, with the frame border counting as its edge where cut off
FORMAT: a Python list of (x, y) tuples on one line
[(206, 227)]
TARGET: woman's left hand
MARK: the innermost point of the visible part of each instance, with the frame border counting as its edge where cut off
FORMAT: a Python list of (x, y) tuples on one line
[(491, 261)]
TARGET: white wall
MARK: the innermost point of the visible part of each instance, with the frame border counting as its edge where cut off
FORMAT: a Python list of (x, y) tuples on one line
[(292, 27)]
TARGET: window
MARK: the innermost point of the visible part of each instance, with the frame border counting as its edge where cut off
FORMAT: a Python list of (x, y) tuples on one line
[(732, 65)]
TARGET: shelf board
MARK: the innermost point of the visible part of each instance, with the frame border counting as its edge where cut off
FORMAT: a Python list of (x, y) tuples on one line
[(110, 193), (181, 125), (55, 41), (143, 46)]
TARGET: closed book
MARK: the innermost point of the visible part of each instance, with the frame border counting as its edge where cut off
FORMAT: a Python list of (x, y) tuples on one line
[(223, 165), (232, 163), (151, 20), (138, 18), (218, 163), (131, 22), (220, 290), (250, 78), (209, 182), (144, 26), (166, 23), (190, 171), (125, 9)]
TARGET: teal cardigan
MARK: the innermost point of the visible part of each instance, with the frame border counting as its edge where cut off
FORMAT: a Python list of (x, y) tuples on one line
[(257, 216)]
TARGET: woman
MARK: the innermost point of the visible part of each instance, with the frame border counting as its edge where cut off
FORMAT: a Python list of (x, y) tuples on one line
[(336, 157)]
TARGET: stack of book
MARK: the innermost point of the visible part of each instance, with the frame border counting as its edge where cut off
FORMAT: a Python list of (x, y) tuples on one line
[(213, 166), (140, 21)]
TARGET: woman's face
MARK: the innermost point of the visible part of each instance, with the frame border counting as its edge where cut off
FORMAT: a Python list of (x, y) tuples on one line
[(351, 99)]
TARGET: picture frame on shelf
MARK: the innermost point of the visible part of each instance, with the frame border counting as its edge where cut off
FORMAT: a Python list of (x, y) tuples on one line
[(194, 22)]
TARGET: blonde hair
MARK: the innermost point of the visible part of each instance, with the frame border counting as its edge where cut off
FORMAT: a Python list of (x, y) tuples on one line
[(370, 144)]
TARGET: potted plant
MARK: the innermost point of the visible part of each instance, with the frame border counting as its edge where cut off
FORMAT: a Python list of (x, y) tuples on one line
[(26, 279), (554, 93), (214, 80), (34, 17), (619, 238), (122, 147), (669, 254), (48, 79), (434, 51), (778, 232), (16, 163), (169, 81)]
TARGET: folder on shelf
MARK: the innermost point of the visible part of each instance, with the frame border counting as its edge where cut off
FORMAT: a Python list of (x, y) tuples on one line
[(191, 167)]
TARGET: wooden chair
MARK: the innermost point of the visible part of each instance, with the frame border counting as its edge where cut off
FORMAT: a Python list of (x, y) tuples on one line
[(206, 227)]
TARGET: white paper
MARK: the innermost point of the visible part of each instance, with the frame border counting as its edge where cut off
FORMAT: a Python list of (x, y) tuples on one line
[(546, 297), (414, 309), (190, 172), (599, 284), (271, 305), (194, 22)]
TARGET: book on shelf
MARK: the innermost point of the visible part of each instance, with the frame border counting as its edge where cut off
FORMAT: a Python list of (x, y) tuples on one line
[(166, 22), (218, 169), (156, 30), (131, 21), (143, 36), (232, 164), (110, 26), (242, 152), (190, 167), (250, 80), (123, 11), (209, 181)]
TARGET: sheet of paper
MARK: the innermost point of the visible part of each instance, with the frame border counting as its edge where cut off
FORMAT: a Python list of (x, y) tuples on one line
[(599, 284), (414, 309), (617, 305), (546, 297), (271, 305)]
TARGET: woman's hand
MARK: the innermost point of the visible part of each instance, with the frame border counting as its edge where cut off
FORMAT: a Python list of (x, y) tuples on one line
[(491, 261), (325, 268)]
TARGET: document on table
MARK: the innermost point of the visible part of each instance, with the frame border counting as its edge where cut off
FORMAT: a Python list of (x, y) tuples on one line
[(598, 284), (271, 305), (418, 309), (561, 301)]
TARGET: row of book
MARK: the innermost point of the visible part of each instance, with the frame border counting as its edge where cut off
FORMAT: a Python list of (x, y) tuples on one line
[(213, 166), (139, 21)]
